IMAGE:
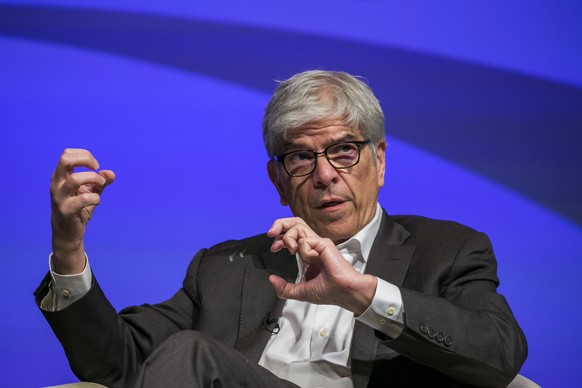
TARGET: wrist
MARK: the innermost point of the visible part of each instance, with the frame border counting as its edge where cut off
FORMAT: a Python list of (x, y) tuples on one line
[(68, 259), (364, 294)]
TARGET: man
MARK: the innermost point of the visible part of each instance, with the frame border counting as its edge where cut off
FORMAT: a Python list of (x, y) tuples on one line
[(340, 295)]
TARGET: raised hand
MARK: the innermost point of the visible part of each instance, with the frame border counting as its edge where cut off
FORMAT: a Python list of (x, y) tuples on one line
[(328, 278), (74, 196), (287, 232)]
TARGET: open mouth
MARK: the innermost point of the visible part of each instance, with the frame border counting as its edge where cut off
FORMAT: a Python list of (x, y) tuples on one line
[(330, 204)]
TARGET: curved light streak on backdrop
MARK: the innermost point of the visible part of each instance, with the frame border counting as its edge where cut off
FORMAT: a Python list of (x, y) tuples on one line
[(169, 103)]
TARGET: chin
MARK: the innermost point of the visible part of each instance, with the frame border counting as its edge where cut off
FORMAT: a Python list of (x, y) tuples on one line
[(337, 235), (336, 230)]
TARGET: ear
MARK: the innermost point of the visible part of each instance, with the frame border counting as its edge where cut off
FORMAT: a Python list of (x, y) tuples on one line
[(381, 162), (275, 177)]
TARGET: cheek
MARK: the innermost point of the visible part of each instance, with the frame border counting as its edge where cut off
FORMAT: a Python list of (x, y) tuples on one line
[(297, 199), (303, 201), (299, 193), (366, 188)]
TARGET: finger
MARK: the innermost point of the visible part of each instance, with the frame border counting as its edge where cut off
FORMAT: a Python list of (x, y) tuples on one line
[(290, 239), (309, 249), (287, 240), (88, 178), (277, 245), (82, 190), (75, 184), (284, 242), (311, 246), (76, 204), (108, 175), (84, 182), (282, 225), (71, 158), (278, 231), (287, 231), (322, 252)]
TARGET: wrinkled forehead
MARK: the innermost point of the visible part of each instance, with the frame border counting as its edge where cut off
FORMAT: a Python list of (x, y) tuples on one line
[(320, 133)]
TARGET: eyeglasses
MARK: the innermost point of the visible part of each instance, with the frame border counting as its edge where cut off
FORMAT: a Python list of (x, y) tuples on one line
[(340, 155)]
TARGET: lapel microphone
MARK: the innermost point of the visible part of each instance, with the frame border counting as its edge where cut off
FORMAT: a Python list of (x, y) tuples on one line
[(271, 324)]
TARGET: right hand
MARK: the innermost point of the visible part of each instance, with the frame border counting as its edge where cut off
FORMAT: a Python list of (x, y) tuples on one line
[(286, 232), (327, 278), (74, 197)]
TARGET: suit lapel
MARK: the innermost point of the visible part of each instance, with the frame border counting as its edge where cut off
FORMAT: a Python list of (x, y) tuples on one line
[(258, 298), (389, 260), (389, 257)]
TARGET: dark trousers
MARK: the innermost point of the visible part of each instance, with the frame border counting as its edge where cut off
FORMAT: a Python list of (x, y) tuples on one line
[(192, 359)]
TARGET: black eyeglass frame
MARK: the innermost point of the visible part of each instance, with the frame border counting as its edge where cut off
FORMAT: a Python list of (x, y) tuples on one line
[(358, 143)]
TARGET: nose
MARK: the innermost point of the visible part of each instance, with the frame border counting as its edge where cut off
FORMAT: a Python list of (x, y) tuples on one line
[(324, 174)]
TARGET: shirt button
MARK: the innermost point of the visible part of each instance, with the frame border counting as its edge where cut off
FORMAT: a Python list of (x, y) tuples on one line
[(391, 310), (382, 322), (323, 333), (66, 294)]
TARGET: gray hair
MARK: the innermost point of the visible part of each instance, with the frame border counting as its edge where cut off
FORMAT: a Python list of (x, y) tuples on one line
[(317, 95)]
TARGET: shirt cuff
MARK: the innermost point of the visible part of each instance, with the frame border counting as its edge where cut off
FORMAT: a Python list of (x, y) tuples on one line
[(385, 314), (64, 290)]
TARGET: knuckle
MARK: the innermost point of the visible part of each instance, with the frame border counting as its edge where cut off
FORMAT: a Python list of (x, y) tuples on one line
[(72, 180), (61, 208), (66, 155), (66, 160), (88, 199)]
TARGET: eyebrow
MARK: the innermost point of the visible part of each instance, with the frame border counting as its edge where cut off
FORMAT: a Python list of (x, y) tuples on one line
[(346, 137)]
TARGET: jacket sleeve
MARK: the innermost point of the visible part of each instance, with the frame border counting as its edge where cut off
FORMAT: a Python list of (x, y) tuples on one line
[(108, 348), (455, 321)]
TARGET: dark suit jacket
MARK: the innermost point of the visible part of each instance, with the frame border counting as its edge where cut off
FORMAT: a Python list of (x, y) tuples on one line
[(459, 332)]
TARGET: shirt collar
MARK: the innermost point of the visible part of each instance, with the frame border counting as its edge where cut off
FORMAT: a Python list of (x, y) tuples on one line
[(358, 246), (362, 241)]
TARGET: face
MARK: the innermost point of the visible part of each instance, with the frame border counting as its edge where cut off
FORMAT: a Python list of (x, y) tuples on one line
[(334, 203)]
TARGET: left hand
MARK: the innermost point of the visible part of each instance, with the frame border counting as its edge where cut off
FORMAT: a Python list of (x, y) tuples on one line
[(328, 277)]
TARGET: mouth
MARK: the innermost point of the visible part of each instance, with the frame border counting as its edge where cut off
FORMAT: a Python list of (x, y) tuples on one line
[(330, 204)]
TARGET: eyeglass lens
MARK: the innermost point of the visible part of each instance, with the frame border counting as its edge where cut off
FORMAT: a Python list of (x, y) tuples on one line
[(342, 155)]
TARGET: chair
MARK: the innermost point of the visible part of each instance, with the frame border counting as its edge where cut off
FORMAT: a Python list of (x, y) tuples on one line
[(518, 382), (522, 382)]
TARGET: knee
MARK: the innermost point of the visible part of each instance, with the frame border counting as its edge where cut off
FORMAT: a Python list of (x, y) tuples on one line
[(187, 336), (190, 341), (181, 354)]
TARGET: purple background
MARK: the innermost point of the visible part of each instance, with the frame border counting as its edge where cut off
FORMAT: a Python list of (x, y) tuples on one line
[(483, 103)]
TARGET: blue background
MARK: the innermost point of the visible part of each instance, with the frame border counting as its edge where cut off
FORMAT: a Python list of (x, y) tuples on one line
[(483, 103)]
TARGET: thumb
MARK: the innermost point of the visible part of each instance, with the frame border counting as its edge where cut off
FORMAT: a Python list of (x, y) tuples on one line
[(279, 284), (108, 175)]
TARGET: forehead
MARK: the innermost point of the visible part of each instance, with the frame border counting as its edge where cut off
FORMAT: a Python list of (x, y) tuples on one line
[(320, 134)]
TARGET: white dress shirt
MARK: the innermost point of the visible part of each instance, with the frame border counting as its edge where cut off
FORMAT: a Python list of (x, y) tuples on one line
[(66, 289), (312, 347)]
